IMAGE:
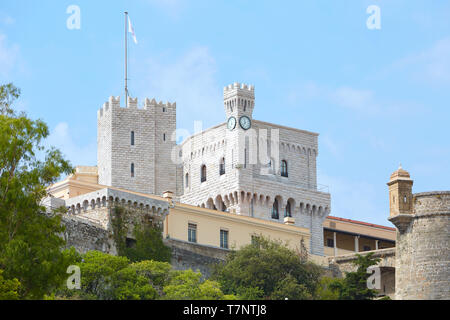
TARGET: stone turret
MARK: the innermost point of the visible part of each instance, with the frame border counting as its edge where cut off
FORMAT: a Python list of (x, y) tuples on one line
[(239, 100), (422, 257), (400, 196)]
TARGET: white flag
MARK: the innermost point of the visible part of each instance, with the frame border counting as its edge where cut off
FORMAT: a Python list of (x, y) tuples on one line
[(131, 30)]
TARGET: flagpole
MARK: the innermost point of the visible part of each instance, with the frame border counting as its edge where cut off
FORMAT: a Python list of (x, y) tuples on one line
[(126, 60)]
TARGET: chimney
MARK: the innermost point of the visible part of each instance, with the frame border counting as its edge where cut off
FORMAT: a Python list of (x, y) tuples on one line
[(168, 195)]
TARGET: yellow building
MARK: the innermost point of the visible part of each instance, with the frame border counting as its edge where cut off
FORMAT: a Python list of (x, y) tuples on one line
[(345, 236)]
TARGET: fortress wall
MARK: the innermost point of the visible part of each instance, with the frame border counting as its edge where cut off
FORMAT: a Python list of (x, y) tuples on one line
[(423, 250)]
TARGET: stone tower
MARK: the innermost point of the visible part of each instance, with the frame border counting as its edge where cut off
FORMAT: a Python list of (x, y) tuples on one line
[(134, 146), (236, 166), (422, 257), (239, 100), (400, 193)]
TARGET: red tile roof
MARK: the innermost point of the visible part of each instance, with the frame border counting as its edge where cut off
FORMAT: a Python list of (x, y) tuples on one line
[(363, 223)]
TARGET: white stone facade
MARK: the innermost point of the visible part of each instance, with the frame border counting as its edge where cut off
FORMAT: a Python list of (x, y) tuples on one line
[(250, 179), (150, 152)]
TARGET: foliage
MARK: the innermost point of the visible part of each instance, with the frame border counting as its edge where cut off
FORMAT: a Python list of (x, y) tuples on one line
[(120, 229), (289, 288), (187, 285), (127, 284), (108, 277), (149, 241), (354, 285), (9, 288), (97, 271), (149, 245), (324, 292), (267, 269), (8, 94), (30, 248)]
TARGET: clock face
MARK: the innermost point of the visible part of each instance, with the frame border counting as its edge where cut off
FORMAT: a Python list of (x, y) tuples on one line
[(231, 123), (245, 122)]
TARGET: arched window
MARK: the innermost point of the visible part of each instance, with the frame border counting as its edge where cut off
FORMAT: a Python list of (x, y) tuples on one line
[(275, 210), (186, 180), (132, 138), (132, 170), (287, 211), (203, 173), (284, 168), (222, 166)]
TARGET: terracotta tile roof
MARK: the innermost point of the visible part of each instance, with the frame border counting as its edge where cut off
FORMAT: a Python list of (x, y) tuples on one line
[(363, 223)]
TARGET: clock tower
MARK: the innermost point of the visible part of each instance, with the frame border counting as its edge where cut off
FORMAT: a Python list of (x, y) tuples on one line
[(239, 101)]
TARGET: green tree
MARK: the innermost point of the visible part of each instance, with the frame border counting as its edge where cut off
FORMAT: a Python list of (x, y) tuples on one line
[(354, 285), (324, 292), (97, 271), (149, 245), (187, 285), (141, 280), (9, 289), (108, 277), (267, 269), (30, 248), (8, 94)]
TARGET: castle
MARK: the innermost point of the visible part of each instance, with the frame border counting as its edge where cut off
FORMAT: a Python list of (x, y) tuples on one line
[(242, 166), (239, 179)]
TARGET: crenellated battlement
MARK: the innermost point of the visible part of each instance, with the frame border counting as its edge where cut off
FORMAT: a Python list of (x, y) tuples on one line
[(114, 103), (239, 89), (238, 98), (238, 85)]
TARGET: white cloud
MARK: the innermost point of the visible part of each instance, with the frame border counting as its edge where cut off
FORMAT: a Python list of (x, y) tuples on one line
[(361, 101), (431, 65), (6, 20), (61, 138), (191, 82), (9, 57), (355, 99)]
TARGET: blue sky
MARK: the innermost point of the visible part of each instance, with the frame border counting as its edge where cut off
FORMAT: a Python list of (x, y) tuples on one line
[(377, 97)]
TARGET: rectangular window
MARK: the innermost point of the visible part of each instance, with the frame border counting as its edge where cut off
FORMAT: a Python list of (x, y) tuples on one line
[(192, 232), (245, 158), (366, 248), (224, 239), (132, 138), (330, 243)]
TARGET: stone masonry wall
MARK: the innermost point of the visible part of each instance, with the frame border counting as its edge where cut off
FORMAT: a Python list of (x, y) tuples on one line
[(85, 236), (423, 250), (193, 256), (153, 125), (247, 190)]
